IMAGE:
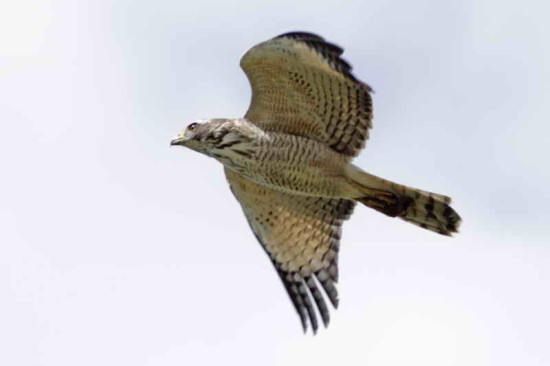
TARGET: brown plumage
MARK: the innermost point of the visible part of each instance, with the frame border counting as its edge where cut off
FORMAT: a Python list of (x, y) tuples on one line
[(301, 86), (288, 163)]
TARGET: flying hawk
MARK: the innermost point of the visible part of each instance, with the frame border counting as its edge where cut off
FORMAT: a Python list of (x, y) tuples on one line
[(288, 163)]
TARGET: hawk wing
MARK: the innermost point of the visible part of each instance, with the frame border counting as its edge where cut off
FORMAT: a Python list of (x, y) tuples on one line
[(301, 86), (301, 236)]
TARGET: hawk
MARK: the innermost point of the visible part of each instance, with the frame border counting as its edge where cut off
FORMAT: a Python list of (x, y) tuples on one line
[(288, 162)]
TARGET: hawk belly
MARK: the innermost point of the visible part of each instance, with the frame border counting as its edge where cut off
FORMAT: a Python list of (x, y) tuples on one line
[(290, 164)]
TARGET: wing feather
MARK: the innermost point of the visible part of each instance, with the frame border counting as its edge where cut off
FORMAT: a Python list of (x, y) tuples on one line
[(301, 236), (301, 85)]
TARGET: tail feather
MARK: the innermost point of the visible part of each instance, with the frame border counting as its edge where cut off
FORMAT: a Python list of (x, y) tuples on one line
[(433, 213), (428, 210)]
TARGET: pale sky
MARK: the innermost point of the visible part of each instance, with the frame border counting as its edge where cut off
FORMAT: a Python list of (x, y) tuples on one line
[(116, 249)]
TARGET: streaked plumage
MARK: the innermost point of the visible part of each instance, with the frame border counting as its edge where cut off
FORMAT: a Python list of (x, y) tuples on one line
[(288, 163)]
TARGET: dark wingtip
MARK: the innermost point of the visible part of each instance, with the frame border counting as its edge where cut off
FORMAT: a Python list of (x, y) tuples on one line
[(301, 35), (329, 51), (304, 326)]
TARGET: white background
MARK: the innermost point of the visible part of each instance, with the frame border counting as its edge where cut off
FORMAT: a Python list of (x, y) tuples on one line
[(116, 249)]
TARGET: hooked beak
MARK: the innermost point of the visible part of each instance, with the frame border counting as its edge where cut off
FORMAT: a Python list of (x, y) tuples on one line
[(178, 140)]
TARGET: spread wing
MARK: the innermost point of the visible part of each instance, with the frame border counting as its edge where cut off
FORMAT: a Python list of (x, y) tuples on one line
[(301, 86), (301, 236)]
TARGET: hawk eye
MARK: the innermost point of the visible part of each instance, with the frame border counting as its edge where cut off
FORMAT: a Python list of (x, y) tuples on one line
[(192, 126)]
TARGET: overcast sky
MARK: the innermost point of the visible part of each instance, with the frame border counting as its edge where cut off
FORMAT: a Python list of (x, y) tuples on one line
[(116, 249)]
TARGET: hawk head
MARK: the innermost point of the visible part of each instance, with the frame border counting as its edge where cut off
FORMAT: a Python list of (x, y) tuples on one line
[(205, 135)]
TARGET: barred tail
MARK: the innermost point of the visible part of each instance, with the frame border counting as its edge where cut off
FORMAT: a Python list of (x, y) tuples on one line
[(428, 210)]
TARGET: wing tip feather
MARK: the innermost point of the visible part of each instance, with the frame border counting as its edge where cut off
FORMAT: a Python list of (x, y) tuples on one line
[(330, 52)]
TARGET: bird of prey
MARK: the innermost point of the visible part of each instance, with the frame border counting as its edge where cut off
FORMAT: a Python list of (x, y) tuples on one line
[(288, 162)]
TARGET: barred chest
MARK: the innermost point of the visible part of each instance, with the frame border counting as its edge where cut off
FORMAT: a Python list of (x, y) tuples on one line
[(285, 162), (238, 155)]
